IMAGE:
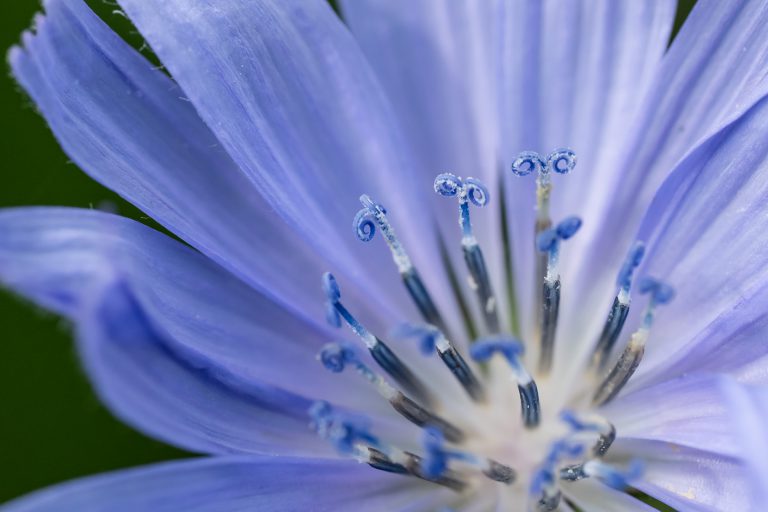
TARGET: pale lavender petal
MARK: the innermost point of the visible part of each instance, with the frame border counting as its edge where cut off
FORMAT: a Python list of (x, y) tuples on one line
[(704, 447), (690, 480), (176, 345), (596, 497), (290, 96), (437, 63), (688, 412), (130, 127), (229, 484), (706, 234), (750, 424), (572, 74), (468, 83), (713, 72)]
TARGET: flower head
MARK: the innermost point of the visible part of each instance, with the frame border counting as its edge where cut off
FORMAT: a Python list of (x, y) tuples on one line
[(585, 332)]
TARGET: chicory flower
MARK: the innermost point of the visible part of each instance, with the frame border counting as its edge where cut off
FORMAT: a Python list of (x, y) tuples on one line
[(594, 324)]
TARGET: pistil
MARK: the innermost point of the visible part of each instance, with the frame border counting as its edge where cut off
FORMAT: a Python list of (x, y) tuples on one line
[(471, 190), (366, 220)]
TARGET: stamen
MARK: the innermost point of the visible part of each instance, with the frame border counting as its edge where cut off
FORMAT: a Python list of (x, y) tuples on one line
[(432, 339), (471, 190), (379, 350), (365, 223), (335, 356), (548, 241), (351, 436), (620, 308), (511, 349), (661, 293), (562, 161), (437, 457), (544, 483)]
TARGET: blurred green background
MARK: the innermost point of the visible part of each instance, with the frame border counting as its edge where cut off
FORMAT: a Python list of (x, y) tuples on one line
[(52, 427)]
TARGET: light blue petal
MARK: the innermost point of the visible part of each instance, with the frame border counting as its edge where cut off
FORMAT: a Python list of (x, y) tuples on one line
[(288, 93), (229, 484), (692, 480), (596, 497), (476, 83), (713, 72), (750, 423), (704, 447), (689, 412), (132, 128), (593, 61), (175, 345), (436, 61), (706, 233)]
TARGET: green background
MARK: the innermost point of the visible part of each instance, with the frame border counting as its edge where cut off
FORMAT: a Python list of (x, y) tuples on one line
[(52, 427)]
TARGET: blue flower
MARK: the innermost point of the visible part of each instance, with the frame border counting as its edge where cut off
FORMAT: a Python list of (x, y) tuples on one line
[(620, 287)]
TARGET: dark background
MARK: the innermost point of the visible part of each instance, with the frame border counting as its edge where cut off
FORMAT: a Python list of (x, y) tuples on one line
[(52, 427)]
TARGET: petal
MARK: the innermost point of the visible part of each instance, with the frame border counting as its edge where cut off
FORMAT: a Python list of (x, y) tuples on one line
[(222, 484), (175, 345), (750, 423), (468, 83), (598, 59), (712, 73), (436, 61), (593, 496), (689, 411), (132, 128), (129, 126), (710, 456), (705, 229), (289, 95), (689, 479)]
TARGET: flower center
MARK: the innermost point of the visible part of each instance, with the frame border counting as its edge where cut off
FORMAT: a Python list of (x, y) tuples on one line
[(471, 437)]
